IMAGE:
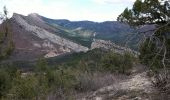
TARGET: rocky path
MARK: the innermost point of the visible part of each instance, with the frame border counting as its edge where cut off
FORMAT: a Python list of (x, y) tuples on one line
[(136, 87)]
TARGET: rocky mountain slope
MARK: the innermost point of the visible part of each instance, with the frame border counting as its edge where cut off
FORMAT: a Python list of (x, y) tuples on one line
[(85, 31), (111, 46), (35, 38)]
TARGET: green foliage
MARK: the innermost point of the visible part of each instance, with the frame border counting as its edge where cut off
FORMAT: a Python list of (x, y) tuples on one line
[(155, 48), (6, 43), (128, 14), (64, 79), (41, 65), (147, 55), (6, 52), (83, 37), (118, 63), (1, 37), (5, 83), (24, 88), (82, 32), (7, 74), (28, 87), (97, 60), (145, 12), (137, 7)]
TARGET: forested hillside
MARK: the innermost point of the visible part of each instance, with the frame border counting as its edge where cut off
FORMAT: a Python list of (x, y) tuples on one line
[(52, 59)]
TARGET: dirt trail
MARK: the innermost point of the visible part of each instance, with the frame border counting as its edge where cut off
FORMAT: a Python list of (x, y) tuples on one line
[(137, 84)]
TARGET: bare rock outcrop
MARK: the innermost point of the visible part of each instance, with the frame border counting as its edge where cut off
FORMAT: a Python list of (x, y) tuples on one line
[(112, 46), (44, 34), (34, 38)]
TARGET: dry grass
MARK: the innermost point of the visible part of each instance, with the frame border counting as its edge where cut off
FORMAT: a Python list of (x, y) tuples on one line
[(96, 81)]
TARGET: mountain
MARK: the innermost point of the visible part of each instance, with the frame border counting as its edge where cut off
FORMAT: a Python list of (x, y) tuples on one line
[(108, 45), (36, 36), (114, 31)]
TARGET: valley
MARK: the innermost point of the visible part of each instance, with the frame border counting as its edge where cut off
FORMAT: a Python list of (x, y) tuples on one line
[(71, 50), (38, 33)]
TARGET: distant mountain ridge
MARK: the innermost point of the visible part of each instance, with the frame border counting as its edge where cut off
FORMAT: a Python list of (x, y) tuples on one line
[(34, 38), (37, 36), (109, 30)]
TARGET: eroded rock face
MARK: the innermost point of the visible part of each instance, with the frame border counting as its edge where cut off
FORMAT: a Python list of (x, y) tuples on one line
[(44, 34), (50, 54), (102, 43), (110, 45), (33, 38)]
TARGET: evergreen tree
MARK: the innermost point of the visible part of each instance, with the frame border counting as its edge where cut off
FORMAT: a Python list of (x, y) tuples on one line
[(6, 43), (155, 49), (146, 12)]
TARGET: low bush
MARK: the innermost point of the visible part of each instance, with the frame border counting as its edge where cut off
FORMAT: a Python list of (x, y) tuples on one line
[(89, 72), (117, 63)]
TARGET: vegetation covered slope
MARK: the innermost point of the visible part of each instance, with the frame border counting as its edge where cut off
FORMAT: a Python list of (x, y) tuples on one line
[(85, 72), (155, 48), (86, 31), (63, 80)]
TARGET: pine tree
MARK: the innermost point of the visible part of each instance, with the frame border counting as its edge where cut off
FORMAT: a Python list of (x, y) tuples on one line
[(6, 43), (155, 49)]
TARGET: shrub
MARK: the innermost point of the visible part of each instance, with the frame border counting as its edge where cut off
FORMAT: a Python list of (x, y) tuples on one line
[(86, 82), (28, 87), (117, 63), (5, 82)]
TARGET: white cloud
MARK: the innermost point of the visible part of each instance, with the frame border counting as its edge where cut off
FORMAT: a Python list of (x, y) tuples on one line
[(33, 6), (64, 9)]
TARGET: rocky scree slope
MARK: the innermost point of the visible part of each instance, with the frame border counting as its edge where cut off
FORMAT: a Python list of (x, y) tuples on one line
[(111, 46), (35, 38)]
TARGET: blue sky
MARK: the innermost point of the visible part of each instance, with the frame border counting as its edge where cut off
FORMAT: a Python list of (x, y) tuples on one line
[(93, 10)]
